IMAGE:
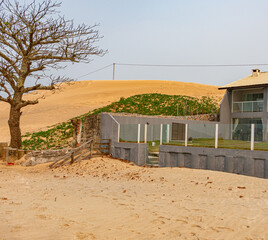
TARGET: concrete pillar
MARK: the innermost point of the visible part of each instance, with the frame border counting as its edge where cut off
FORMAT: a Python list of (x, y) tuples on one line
[(173, 159), (180, 160), (202, 161), (259, 167), (266, 169), (249, 167), (195, 161), (219, 163), (239, 165), (211, 163), (229, 164), (167, 160), (161, 159), (187, 160)]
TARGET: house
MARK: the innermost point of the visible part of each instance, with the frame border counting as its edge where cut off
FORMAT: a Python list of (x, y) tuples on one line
[(245, 103)]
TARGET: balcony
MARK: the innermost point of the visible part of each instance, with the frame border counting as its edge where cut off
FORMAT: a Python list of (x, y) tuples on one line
[(248, 106)]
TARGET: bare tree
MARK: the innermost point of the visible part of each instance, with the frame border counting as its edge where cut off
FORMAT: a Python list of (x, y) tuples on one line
[(33, 40)]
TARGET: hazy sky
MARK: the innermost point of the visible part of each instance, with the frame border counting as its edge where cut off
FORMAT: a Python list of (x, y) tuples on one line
[(174, 32)]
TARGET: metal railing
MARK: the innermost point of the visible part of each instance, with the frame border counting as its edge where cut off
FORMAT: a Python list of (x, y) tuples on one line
[(248, 106), (213, 135)]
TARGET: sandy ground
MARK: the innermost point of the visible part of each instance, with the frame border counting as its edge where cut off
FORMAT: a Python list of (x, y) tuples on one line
[(84, 96), (105, 198)]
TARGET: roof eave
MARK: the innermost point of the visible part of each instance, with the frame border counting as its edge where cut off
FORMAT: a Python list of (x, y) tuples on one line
[(243, 87)]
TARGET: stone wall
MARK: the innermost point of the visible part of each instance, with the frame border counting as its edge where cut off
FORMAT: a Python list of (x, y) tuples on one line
[(92, 127), (37, 157)]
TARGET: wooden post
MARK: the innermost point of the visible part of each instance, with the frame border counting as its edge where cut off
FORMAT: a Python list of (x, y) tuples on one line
[(216, 135), (7, 153), (91, 148), (118, 139), (79, 131), (252, 137), (186, 134), (74, 123), (72, 158)]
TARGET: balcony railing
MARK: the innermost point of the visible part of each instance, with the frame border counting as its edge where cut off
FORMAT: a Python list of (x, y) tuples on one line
[(248, 106)]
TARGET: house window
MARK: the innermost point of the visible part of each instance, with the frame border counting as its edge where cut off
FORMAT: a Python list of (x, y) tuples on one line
[(241, 129), (247, 100)]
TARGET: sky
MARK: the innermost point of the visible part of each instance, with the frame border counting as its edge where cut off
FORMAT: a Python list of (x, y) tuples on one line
[(173, 32)]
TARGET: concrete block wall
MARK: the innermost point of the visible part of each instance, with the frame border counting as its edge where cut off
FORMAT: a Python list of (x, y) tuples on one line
[(133, 152), (245, 162)]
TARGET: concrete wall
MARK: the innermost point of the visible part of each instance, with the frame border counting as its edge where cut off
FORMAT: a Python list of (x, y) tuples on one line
[(197, 128), (245, 162), (226, 108), (109, 127), (133, 152), (136, 153)]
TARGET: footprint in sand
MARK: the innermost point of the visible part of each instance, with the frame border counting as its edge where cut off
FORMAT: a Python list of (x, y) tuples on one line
[(41, 216), (182, 221), (197, 226), (158, 221), (81, 235), (225, 228)]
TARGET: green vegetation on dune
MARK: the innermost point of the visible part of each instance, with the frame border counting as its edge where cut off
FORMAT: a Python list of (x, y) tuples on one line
[(59, 136), (161, 104), (56, 137)]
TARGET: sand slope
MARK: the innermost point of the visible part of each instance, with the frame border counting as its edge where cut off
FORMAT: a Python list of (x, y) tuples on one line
[(84, 96), (104, 198)]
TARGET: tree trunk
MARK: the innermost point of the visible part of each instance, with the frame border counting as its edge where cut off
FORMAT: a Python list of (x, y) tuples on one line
[(14, 126)]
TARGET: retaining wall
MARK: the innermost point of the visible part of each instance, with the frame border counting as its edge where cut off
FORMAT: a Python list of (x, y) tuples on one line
[(133, 152), (245, 162)]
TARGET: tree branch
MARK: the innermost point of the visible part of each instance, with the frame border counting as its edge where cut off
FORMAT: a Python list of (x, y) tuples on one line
[(38, 87), (25, 103)]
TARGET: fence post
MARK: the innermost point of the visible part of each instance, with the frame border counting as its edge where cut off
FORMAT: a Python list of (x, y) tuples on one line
[(139, 133), (118, 139), (167, 133), (252, 137), (145, 133), (186, 134), (216, 135), (161, 134), (7, 153)]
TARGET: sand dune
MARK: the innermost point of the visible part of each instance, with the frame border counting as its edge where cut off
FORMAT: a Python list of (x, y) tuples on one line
[(84, 96), (105, 198)]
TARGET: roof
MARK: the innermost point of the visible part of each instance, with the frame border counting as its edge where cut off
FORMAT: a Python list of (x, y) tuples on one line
[(260, 80)]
